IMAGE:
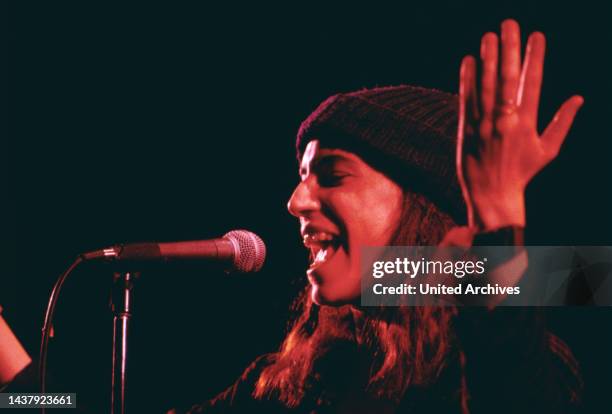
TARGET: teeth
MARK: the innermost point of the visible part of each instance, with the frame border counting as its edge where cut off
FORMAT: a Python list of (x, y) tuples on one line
[(322, 246), (317, 237), (322, 256)]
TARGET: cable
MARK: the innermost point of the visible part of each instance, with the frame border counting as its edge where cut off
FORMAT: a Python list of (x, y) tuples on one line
[(48, 324)]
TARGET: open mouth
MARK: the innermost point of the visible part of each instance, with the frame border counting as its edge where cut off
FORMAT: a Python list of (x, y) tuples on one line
[(322, 247)]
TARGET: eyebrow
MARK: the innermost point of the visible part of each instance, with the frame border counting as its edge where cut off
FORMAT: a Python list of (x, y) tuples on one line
[(326, 160)]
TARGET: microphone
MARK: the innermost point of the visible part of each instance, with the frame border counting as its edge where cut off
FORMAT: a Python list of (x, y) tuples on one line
[(242, 250)]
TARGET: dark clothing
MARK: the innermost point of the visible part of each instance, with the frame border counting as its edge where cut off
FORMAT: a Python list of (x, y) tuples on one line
[(511, 365)]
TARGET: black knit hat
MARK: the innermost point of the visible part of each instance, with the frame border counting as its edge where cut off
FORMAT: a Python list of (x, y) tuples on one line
[(407, 132)]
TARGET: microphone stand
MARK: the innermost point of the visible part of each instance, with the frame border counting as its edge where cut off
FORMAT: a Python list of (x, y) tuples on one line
[(121, 305)]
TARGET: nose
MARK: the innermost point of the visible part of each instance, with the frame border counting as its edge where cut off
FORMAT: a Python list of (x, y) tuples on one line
[(304, 199)]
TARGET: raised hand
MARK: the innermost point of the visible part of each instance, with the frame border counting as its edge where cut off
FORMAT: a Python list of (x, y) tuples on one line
[(499, 147)]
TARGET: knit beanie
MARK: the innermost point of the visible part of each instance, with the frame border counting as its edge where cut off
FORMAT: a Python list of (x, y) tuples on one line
[(407, 132)]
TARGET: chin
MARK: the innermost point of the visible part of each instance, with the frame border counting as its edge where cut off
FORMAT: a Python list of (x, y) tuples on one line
[(315, 295), (321, 296)]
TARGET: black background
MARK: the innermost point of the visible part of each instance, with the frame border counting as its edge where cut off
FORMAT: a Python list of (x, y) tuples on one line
[(176, 121)]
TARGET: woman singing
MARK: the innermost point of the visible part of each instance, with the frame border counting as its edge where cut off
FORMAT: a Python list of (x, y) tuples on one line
[(407, 166)]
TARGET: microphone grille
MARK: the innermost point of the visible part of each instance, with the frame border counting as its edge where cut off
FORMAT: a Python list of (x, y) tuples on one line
[(249, 250)]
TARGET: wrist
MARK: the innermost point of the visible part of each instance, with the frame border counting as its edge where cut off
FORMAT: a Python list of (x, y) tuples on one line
[(497, 211)]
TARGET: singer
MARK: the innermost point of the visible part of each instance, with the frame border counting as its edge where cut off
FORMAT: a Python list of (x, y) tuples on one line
[(412, 166)]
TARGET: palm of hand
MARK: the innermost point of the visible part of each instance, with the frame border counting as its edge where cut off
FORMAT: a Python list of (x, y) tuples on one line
[(499, 148)]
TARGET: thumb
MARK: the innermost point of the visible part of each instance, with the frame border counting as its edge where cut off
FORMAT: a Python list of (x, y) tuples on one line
[(557, 130)]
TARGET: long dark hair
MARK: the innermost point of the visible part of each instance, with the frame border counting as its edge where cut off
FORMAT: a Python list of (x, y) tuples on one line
[(404, 345)]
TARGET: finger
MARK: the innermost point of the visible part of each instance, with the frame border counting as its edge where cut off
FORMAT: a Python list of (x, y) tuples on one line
[(510, 61), (467, 120), (531, 77), (489, 56), (467, 94), (557, 130)]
